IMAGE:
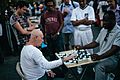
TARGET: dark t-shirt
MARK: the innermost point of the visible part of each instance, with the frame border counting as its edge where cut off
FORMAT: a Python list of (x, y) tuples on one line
[(51, 21)]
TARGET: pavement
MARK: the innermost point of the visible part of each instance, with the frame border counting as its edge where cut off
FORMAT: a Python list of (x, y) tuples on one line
[(8, 69)]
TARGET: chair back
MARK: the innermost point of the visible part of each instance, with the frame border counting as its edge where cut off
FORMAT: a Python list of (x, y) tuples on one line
[(19, 71)]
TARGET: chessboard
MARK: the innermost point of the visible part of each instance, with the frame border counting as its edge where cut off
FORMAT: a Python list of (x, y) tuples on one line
[(82, 58)]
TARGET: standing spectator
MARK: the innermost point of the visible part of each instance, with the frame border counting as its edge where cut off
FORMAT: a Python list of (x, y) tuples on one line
[(82, 18), (102, 7), (20, 23), (95, 5), (109, 42), (66, 8), (52, 22), (115, 8)]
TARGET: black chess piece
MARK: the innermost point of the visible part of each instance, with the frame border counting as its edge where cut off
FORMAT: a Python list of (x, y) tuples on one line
[(87, 56)]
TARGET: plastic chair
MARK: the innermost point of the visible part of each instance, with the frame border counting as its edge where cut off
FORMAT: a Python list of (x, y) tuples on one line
[(19, 71)]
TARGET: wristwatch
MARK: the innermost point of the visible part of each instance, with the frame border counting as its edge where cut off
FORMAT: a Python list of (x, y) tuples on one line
[(58, 33)]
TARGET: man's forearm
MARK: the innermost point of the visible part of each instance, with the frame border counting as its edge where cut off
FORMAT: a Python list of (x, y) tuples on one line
[(91, 45)]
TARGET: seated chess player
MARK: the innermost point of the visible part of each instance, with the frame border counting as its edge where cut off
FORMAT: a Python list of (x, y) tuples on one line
[(109, 42), (33, 63)]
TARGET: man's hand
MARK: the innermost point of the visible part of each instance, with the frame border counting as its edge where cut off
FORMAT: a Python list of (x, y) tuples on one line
[(31, 27), (69, 57), (51, 74), (78, 47), (95, 57)]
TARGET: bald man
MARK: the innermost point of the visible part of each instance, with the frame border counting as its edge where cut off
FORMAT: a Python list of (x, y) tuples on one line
[(33, 63)]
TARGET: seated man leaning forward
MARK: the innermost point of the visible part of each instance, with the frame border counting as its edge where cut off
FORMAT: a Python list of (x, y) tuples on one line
[(33, 63), (108, 41)]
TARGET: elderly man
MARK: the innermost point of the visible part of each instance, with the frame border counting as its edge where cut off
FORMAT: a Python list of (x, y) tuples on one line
[(109, 42), (33, 63)]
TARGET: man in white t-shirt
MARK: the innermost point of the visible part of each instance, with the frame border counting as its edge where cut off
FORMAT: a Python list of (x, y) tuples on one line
[(33, 63), (82, 18)]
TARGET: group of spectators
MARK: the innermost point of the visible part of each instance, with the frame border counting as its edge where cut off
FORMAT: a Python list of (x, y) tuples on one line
[(63, 29)]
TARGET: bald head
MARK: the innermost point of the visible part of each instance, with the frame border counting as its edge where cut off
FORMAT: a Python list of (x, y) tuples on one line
[(36, 32), (36, 37)]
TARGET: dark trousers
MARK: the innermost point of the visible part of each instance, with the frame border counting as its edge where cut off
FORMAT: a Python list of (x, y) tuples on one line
[(55, 45), (43, 78)]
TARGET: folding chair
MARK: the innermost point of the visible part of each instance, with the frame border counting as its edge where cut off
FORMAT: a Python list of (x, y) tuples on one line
[(19, 71)]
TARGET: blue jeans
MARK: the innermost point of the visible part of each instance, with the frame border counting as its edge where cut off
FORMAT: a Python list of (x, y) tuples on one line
[(104, 67)]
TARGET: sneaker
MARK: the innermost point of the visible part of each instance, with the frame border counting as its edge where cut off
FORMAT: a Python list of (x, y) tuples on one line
[(79, 69)]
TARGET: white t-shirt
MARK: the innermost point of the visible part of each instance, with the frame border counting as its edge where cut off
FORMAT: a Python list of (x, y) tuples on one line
[(78, 14), (112, 39), (34, 64)]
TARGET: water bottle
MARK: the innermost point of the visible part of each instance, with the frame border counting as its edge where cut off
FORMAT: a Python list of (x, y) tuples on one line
[(43, 45)]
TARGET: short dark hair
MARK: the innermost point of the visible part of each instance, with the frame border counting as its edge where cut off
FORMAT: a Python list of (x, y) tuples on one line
[(46, 1), (111, 15), (21, 4), (116, 2)]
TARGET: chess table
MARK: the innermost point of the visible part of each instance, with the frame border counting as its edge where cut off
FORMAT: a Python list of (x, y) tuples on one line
[(81, 59)]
